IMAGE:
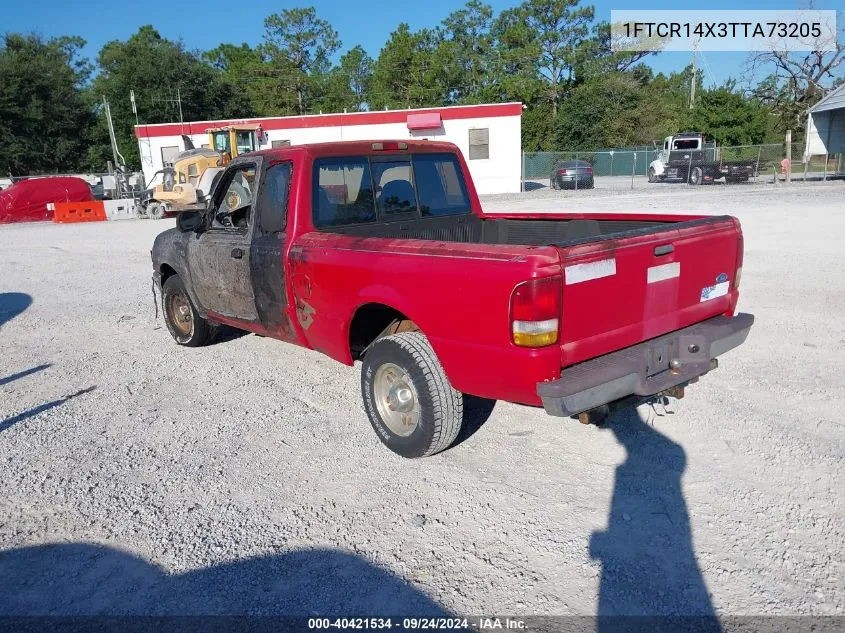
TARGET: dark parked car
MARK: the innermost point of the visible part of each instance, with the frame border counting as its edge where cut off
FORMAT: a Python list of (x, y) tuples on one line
[(572, 174)]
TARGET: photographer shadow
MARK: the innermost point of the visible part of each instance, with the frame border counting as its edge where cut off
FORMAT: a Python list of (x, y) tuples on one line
[(648, 561)]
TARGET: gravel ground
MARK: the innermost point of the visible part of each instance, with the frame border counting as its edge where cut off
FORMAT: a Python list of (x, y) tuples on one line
[(139, 477)]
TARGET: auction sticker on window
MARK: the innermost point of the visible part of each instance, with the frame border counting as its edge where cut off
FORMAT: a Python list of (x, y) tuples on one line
[(728, 30)]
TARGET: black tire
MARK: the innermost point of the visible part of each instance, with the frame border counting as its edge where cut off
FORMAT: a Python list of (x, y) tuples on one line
[(192, 330), (156, 210), (439, 413), (696, 176), (652, 177), (555, 184)]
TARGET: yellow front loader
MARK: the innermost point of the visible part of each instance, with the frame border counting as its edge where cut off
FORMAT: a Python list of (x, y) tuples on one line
[(188, 181)]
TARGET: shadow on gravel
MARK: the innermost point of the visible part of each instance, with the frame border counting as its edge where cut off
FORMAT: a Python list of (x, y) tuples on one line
[(530, 185), (647, 556), (23, 374), (87, 579), (226, 333), (20, 417), (12, 304), (476, 412)]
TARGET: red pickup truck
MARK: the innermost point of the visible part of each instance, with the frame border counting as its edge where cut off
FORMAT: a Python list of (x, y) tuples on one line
[(380, 252)]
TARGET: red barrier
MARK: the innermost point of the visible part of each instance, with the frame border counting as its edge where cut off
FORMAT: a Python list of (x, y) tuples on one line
[(91, 211)]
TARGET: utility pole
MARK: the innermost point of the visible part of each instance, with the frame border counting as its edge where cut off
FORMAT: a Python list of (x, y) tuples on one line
[(134, 107), (692, 84), (789, 156), (118, 159)]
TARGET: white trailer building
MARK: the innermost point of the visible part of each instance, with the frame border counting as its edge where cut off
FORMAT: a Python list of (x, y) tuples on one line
[(826, 127), (488, 135)]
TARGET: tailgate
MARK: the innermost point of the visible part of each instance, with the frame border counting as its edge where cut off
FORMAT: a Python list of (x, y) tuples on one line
[(632, 287)]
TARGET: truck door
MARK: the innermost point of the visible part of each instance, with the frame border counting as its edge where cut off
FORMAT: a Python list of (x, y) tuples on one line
[(220, 257), (267, 254)]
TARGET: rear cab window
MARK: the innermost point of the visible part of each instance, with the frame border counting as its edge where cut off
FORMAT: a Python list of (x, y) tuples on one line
[(367, 189), (686, 144)]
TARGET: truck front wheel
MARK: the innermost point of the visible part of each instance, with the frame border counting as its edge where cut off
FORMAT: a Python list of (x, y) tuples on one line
[(156, 210), (652, 176), (407, 396), (184, 323)]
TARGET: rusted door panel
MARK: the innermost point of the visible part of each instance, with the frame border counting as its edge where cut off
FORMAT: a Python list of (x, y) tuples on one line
[(202, 264), (221, 271), (268, 281)]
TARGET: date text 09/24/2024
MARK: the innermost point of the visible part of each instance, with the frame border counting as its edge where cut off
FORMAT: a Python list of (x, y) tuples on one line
[(417, 624)]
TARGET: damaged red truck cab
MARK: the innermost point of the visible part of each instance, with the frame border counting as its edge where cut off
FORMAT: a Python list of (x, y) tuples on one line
[(379, 252)]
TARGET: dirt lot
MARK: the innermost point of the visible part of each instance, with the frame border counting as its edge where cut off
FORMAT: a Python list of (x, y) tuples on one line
[(138, 477)]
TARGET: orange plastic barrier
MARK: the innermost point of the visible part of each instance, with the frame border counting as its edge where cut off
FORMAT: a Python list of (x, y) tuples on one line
[(90, 211)]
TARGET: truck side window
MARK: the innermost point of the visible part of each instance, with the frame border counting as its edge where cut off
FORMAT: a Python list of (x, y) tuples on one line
[(394, 188), (343, 192), (234, 204), (440, 185), (274, 198)]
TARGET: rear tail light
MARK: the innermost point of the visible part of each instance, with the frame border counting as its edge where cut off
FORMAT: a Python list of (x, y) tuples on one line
[(562, 172), (589, 170), (535, 312), (740, 248)]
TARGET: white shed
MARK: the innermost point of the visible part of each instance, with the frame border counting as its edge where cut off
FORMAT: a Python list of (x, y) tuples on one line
[(826, 126), (488, 135)]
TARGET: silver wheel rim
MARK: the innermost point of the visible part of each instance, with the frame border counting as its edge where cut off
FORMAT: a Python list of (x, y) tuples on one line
[(396, 399)]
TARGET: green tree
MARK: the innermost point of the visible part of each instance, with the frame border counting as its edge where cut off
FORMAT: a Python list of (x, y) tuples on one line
[(348, 84), (243, 82), (44, 117), (559, 27), (595, 55), (730, 118), (466, 45), (299, 46), (410, 71), (616, 110), (158, 70)]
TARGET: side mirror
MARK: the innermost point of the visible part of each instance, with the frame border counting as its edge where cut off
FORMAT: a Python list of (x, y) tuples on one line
[(187, 221)]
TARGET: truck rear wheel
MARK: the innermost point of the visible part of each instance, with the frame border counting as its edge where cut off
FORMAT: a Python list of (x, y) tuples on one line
[(696, 176), (407, 396), (184, 323)]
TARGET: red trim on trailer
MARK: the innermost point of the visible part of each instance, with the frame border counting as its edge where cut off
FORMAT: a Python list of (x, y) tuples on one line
[(333, 120)]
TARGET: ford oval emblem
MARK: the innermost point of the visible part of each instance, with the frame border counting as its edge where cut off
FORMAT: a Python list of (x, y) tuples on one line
[(722, 278)]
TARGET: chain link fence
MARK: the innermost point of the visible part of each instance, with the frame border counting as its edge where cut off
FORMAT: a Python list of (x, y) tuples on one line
[(628, 168)]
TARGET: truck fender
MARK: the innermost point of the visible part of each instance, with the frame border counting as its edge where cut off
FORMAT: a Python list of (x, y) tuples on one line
[(382, 295), (183, 274), (657, 166)]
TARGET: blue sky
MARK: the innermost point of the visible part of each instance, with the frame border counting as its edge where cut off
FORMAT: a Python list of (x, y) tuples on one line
[(366, 22)]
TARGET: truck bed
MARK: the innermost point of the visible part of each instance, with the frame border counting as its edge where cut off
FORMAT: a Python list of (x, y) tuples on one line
[(622, 275), (514, 230)]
